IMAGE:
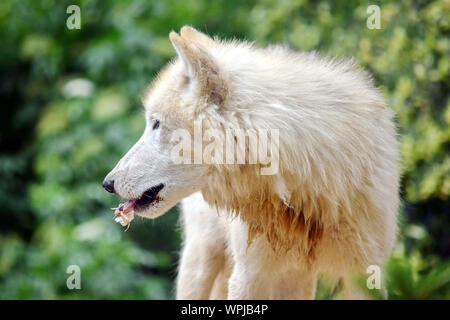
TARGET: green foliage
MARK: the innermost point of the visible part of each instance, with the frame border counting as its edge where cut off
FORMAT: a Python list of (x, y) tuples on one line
[(407, 279), (72, 105)]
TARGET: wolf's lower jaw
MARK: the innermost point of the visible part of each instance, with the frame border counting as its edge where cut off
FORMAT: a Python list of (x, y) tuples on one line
[(151, 212)]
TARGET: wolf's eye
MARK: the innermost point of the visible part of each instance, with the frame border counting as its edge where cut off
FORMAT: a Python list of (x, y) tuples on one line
[(155, 124)]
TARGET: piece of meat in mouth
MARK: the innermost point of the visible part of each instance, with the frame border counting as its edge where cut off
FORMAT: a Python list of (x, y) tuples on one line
[(124, 213)]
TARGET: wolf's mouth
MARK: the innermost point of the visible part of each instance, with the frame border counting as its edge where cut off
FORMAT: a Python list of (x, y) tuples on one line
[(147, 198)]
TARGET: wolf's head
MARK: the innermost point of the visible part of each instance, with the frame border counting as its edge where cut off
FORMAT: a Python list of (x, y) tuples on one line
[(190, 87)]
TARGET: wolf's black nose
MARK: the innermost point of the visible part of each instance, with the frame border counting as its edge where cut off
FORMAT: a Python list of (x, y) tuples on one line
[(108, 185)]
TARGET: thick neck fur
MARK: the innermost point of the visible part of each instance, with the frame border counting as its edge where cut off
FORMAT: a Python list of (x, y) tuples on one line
[(295, 222), (329, 107)]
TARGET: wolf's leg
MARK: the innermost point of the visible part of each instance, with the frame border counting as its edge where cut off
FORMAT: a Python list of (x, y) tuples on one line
[(219, 290), (296, 284), (250, 285), (203, 253), (199, 267), (260, 273)]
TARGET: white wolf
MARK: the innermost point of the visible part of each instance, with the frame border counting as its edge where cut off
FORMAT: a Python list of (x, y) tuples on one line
[(332, 205)]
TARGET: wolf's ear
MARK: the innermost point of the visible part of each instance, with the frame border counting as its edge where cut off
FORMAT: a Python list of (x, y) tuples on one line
[(185, 52), (200, 67), (196, 37)]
